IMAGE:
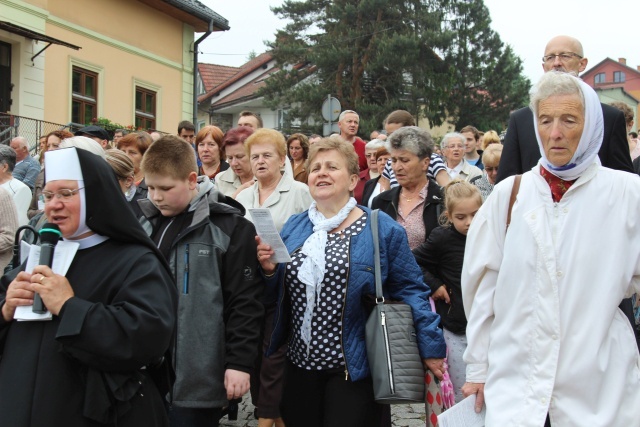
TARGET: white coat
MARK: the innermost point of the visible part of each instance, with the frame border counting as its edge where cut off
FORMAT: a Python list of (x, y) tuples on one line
[(544, 330)]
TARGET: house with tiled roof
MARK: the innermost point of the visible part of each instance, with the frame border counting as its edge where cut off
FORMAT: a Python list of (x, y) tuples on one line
[(212, 75), (221, 103), (130, 61), (616, 81)]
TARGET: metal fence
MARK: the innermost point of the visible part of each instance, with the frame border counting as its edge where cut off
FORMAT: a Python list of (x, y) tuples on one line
[(31, 129)]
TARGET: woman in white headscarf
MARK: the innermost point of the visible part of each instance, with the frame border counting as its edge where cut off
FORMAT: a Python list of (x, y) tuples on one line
[(113, 312), (547, 344)]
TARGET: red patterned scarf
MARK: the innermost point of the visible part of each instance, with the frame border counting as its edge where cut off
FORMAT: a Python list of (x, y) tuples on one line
[(557, 185)]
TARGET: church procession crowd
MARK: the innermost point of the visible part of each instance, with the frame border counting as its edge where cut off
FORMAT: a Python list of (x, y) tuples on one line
[(519, 255)]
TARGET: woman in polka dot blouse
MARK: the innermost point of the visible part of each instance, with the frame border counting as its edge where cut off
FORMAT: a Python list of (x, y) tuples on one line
[(320, 296)]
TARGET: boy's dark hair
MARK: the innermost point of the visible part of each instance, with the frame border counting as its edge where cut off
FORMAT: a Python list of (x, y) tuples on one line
[(170, 156)]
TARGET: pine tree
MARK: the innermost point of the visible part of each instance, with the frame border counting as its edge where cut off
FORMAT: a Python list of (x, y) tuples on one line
[(487, 79), (438, 59), (373, 55)]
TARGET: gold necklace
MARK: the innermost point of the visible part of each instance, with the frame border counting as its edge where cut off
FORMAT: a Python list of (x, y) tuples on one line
[(409, 200)]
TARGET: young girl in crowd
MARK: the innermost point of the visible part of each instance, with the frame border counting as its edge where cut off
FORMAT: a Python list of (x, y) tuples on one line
[(440, 258)]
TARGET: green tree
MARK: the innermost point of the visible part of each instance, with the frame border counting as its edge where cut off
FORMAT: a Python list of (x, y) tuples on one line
[(487, 75), (438, 59), (373, 55)]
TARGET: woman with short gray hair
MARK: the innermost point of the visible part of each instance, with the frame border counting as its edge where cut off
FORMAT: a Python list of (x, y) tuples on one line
[(371, 172), (415, 202), (453, 145), (20, 192)]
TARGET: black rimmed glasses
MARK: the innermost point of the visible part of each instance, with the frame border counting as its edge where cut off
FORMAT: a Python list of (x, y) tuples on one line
[(564, 57), (63, 194)]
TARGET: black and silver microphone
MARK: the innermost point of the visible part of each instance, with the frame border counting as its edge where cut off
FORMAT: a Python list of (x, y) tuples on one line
[(49, 236)]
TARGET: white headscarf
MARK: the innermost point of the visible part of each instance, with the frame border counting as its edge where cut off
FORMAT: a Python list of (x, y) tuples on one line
[(311, 271), (63, 164), (590, 140)]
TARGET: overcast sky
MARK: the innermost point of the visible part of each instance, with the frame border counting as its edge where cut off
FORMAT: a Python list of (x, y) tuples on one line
[(606, 28)]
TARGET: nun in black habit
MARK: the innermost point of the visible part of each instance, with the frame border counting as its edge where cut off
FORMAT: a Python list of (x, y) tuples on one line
[(113, 312)]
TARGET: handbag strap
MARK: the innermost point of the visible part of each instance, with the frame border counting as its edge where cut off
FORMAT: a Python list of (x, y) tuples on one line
[(514, 195), (376, 256)]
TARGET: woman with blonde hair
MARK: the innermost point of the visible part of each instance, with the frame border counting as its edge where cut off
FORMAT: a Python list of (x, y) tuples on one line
[(275, 187), (440, 258), (276, 190), (489, 138), (320, 295), (123, 168), (491, 160)]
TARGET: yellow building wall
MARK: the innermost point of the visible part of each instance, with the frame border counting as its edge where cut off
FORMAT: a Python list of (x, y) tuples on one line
[(129, 44), (436, 132), (118, 72), (128, 21)]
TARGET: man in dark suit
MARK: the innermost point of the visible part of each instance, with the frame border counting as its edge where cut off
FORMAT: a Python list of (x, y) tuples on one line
[(521, 152)]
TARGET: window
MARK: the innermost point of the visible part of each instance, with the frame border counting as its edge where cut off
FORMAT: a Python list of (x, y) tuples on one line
[(618, 76), (599, 78), (200, 85), (84, 95), (145, 108)]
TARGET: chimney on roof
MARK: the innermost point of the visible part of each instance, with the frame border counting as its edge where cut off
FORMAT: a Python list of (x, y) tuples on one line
[(623, 61), (638, 67)]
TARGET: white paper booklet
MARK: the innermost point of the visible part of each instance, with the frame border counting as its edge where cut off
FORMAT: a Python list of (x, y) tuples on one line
[(62, 258), (266, 229), (462, 414)]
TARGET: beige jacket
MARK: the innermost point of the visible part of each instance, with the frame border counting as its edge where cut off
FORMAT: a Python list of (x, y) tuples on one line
[(290, 197)]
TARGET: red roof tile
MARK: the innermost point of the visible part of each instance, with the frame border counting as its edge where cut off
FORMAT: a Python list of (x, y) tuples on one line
[(243, 71), (247, 91), (214, 75)]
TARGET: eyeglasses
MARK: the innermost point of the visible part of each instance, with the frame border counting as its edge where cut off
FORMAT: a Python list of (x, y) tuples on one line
[(564, 57), (63, 194)]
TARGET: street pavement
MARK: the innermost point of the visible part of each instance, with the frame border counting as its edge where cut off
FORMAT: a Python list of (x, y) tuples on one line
[(401, 415)]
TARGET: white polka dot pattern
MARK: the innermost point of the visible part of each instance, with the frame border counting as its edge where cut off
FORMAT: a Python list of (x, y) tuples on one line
[(326, 323)]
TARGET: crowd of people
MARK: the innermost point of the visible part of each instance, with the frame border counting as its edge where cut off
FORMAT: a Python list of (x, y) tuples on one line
[(172, 307)]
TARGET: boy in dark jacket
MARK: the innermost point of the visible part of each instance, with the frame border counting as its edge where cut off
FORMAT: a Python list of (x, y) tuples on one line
[(211, 249)]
